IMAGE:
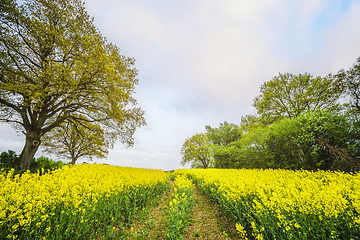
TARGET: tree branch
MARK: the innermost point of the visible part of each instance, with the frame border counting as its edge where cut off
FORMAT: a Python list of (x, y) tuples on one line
[(10, 105)]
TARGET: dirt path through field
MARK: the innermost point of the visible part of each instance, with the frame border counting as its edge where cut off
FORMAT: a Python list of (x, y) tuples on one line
[(159, 215), (206, 222), (154, 226)]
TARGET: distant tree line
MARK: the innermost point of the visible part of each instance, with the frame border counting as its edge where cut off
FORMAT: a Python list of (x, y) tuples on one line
[(302, 122)]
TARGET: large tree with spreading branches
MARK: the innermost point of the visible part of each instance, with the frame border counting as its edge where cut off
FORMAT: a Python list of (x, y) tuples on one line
[(56, 67), (288, 95)]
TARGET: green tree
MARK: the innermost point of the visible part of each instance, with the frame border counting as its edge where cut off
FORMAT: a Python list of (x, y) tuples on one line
[(224, 134), (232, 155), (196, 151), (220, 138), (249, 122), (279, 149), (55, 66), (332, 140), (227, 156), (8, 159), (351, 78), (73, 142), (252, 149), (312, 140), (288, 95)]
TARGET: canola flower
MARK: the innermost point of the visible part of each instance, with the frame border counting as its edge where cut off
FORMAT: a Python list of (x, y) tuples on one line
[(284, 204), (181, 204), (75, 202)]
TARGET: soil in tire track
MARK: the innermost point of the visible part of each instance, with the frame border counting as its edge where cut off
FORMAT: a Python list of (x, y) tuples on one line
[(207, 221), (155, 223)]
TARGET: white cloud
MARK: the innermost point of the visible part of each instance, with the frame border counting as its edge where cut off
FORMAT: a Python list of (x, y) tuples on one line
[(214, 47)]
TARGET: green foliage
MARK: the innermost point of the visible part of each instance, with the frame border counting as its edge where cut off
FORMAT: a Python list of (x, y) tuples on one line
[(75, 141), (288, 95), (180, 206), (226, 156), (251, 149), (352, 83), (46, 164), (313, 140), (172, 175), (8, 159), (300, 124), (332, 140), (196, 150), (224, 134), (55, 66), (249, 122), (219, 138)]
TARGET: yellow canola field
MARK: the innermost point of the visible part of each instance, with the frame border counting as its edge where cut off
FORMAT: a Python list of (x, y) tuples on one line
[(75, 202), (180, 206), (284, 204)]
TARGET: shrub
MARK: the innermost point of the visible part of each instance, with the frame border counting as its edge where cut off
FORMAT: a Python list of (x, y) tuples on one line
[(46, 164), (8, 159)]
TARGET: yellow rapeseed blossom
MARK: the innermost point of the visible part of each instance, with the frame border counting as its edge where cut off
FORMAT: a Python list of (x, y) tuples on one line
[(73, 198), (241, 230), (181, 204), (282, 203)]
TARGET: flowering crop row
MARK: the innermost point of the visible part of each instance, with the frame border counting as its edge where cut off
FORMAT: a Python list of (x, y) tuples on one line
[(180, 206), (283, 204), (75, 202)]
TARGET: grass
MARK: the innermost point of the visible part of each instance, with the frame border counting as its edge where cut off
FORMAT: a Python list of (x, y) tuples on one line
[(206, 222)]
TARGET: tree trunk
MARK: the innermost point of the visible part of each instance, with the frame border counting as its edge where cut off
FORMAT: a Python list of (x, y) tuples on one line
[(28, 152), (73, 160)]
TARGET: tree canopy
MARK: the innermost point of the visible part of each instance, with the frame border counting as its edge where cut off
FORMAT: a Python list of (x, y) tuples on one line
[(351, 78), (249, 122), (196, 151), (55, 66), (219, 138), (74, 142), (288, 95), (302, 122), (224, 134), (312, 140)]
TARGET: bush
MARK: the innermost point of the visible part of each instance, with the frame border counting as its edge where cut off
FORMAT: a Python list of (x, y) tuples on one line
[(313, 140), (45, 163), (8, 159)]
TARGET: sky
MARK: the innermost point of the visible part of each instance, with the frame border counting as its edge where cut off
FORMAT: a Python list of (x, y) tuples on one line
[(202, 62)]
